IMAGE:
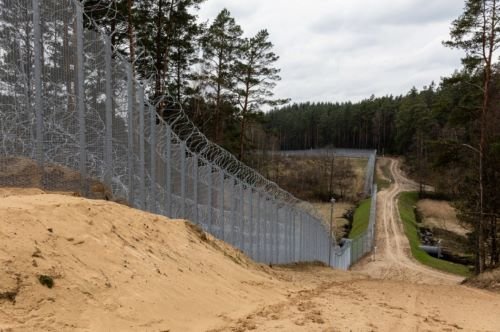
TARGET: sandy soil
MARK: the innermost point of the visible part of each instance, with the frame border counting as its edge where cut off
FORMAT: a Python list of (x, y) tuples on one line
[(119, 269), (388, 291), (442, 215), (351, 302)]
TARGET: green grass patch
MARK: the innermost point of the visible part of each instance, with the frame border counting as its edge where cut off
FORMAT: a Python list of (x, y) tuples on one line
[(406, 204), (361, 218)]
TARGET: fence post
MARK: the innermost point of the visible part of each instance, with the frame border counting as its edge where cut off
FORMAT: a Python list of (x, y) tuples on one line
[(210, 192), (317, 242), (108, 141), (267, 237), (301, 238), (195, 188), (130, 122), (232, 195), (168, 169), (286, 235), (152, 123), (80, 92), (183, 179), (291, 235), (276, 234), (251, 224), (142, 150), (221, 204), (242, 217), (259, 228), (37, 58), (307, 237), (271, 220), (294, 235)]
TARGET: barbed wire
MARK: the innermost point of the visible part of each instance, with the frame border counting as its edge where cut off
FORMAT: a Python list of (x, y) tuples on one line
[(197, 142)]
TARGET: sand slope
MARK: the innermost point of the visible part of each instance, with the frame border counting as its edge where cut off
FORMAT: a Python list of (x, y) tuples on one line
[(120, 269), (116, 269)]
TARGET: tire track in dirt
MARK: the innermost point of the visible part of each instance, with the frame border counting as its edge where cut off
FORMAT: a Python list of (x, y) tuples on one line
[(392, 258)]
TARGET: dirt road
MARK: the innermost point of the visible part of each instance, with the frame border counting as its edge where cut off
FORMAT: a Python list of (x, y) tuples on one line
[(389, 291), (392, 258)]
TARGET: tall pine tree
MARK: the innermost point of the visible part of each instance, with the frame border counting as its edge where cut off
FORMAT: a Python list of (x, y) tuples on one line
[(220, 45), (256, 77)]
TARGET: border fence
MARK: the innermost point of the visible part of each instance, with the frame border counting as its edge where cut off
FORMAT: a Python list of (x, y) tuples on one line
[(73, 117), (350, 251)]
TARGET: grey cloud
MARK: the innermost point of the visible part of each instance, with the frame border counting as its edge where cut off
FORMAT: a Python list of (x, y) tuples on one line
[(339, 50), (386, 13)]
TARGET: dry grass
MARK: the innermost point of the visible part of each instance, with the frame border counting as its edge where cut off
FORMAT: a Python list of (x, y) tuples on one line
[(338, 212), (383, 169), (440, 214), (26, 173), (308, 177), (359, 167)]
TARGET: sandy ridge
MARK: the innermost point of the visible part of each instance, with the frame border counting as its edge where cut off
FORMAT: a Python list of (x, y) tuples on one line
[(119, 269)]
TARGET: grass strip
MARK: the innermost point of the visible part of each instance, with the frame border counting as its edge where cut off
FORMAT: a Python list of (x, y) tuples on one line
[(361, 219), (407, 202)]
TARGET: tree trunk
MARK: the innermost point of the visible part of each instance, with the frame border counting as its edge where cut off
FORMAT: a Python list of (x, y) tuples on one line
[(494, 245), (130, 31), (242, 128), (218, 102), (488, 47), (158, 65), (67, 66)]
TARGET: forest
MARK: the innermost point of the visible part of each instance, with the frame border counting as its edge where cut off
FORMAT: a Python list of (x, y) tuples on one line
[(449, 131)]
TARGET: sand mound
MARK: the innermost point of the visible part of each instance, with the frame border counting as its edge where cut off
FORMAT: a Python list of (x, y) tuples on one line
[(489, 280), (116, 269), (71, 264)]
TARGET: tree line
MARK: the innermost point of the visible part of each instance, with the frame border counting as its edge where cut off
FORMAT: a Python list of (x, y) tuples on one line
[(449, 133)]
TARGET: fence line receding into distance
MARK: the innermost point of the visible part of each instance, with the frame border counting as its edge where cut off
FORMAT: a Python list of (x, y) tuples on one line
[(73, 117)]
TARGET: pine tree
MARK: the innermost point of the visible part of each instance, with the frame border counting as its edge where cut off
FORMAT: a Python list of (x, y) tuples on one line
[(219, 44), (256, 79), (184, 40)]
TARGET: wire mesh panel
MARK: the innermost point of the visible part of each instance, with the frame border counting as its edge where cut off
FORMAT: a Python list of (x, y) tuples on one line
[(17, 116)]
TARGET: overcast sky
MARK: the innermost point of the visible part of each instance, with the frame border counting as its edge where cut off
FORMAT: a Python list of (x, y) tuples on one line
[(339, 50)]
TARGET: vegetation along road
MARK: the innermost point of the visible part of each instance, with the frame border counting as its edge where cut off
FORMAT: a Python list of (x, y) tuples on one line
[(392, 258), (387, 291)]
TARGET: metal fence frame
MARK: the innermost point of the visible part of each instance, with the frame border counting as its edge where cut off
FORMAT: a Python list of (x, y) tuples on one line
[(74, 117)]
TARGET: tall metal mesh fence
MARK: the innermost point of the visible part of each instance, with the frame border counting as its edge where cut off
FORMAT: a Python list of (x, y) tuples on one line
[(74, 118)]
